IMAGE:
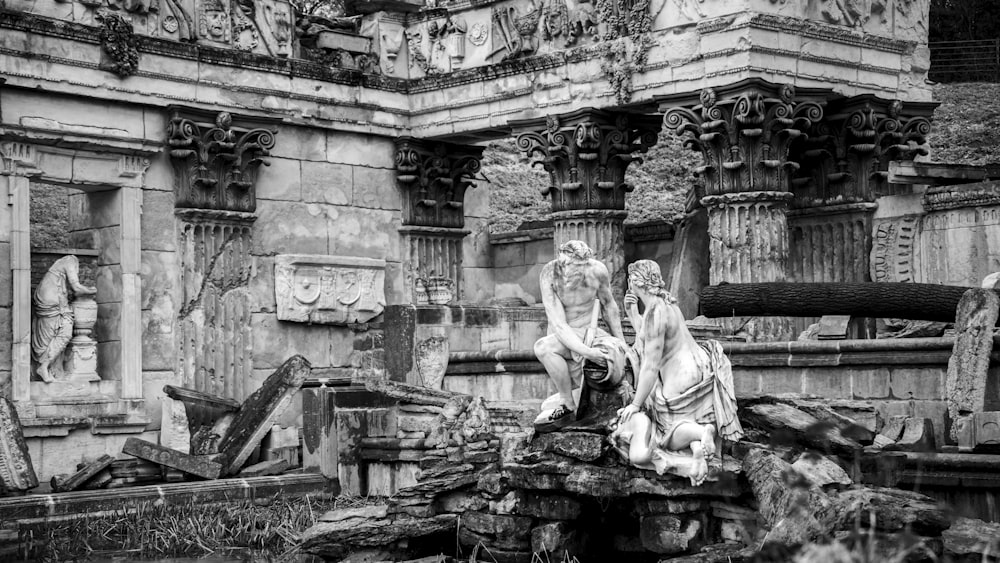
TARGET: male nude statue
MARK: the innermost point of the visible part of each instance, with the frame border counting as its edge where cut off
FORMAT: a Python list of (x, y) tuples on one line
[(569, 286), (52, 325), (684, 391)]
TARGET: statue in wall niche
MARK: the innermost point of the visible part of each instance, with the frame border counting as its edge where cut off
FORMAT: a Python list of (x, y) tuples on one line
[(575, 288), (52, 324), (684, 396)]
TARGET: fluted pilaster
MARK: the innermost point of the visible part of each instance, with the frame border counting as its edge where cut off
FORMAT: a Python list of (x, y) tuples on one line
[(433, 178)]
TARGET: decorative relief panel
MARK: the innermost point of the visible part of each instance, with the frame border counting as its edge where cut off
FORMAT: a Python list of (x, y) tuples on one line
[(328, 289), (892, 249)]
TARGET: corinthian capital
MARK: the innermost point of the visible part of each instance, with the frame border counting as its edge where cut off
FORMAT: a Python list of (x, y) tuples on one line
[(586, 154), (744, 132), (433, 177)]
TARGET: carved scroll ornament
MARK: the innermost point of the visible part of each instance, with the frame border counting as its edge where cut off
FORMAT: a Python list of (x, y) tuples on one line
[(586, 155), (216, 165), (745, 138), (434, 177)]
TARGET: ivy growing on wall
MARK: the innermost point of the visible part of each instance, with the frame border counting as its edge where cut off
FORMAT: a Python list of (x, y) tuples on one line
[(627, 40)]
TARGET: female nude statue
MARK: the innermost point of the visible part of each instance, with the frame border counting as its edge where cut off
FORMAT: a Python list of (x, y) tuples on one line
[(684, 391)]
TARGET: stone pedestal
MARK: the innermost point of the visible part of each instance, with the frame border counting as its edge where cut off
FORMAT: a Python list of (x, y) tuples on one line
[(81, 353)]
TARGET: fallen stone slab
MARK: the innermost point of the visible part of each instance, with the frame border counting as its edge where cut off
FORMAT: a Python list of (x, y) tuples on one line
[(891, 510), (16, 470), (719, 553), (203, 466), (965, 386), (820, 471), (78, 479), (404, 392), (918, 436), (342, 531), (270, 467), (798, 427), (259, 411), (970, 540), (579, 445)]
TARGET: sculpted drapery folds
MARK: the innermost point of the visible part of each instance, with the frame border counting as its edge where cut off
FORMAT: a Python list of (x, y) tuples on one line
[(684, 394), (52, 325)]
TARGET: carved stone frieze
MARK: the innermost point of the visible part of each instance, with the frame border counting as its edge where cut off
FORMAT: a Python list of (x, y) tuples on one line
[(845, 158), (744, 134), (515, 30), (981, 194), (586, 154), (328, 289), (216, 164), (434, 178)]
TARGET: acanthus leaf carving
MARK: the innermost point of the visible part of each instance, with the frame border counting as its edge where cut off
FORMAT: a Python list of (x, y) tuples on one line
[(846, 157), (745, 138), (586, 155), (216, 165), (434, 178)]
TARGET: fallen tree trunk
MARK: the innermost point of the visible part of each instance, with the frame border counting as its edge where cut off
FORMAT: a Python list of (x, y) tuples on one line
[(917, 301)]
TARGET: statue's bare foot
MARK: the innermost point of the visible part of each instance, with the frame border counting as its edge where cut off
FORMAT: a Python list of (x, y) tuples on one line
[(43, 372), (708, 440), (699, 467)]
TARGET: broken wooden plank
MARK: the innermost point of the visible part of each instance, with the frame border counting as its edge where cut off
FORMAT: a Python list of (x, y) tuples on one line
[(79, 478), (202, 466), (16, 470), (259, 412)]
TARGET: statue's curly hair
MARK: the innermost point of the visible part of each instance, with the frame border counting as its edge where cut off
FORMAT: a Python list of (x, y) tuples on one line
[(577, 250), (646, 274)]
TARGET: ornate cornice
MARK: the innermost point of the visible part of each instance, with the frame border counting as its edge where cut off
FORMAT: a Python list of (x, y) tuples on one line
[(216, 162), (433, 178), (744, 133), (586, 153)]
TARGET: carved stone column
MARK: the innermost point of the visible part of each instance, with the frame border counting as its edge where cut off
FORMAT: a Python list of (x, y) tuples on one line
[(216, 159), (744, 132), (433, 178), (586, 154)]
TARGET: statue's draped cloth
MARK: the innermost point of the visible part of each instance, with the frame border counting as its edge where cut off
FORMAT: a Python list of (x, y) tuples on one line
[(713, 400), (52, 325)]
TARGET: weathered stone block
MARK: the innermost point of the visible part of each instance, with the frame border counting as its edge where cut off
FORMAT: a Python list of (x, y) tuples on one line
[(499, 525), (274, 341), (558, 539), (324, 182), (870, 383), (158, 226), (654, 506), (375, 188), (918, 436), (363, 150), (820, 471), (460, 502), (284, 228), (919, 384), (668, 534), (379, 226), (968, 367), (16, 470), (580, 445), (546, 507), (203, 466), (280, 181)]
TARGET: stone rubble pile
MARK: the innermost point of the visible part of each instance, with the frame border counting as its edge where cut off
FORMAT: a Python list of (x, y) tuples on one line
[(507, 496)]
